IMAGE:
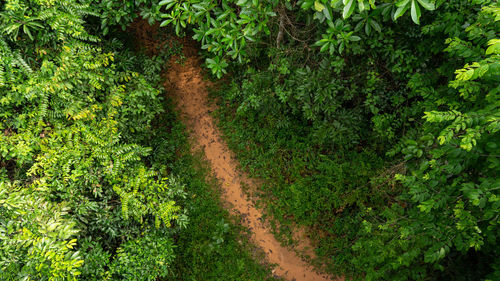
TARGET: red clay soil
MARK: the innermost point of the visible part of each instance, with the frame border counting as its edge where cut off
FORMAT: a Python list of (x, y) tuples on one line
[(185, 84)]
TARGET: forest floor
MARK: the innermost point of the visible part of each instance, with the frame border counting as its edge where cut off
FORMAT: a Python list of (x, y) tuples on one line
[(186, 85)]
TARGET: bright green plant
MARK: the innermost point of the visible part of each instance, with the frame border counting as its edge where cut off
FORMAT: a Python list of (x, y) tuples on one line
[(37, 236), (146, 258), (70, 120)]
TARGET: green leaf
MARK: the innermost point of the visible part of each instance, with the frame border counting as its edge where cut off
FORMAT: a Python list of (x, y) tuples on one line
[(348, 9), (372, 4), (306, 5), (401, 10), (368, 29), (210, 62), (361, 5), (427, 5), (494, 47), (318, 6), (27, 31), (468, 74), (375, 25), (165, 22), (415, 12), (327, 13), (165, 2), (324, 48), (355, 38), (402, 3)]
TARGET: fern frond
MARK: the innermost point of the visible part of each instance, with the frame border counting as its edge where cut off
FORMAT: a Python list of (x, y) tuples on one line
[(19, 61), (2, 75)]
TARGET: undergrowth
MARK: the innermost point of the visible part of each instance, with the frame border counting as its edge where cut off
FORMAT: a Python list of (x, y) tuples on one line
[(212, 246), (300, 185)]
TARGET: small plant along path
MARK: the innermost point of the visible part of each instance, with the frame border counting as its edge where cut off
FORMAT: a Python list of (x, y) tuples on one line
[(188, 88)]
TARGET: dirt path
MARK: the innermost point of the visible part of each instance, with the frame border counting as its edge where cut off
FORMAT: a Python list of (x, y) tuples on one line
[(184, 82), (189, 90)]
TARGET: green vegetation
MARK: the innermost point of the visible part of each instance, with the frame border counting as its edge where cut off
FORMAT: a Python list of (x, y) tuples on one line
[(374, 123), (93, 185)]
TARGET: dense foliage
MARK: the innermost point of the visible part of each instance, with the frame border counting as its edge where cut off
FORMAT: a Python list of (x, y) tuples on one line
[(69, 118), (82, 196), (374, 123)]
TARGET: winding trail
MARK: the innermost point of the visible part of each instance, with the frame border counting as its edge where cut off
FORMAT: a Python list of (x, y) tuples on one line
[(184, 82), (189, 90)]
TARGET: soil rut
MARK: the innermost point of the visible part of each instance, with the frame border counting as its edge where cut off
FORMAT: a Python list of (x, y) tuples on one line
[(188, 88)]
